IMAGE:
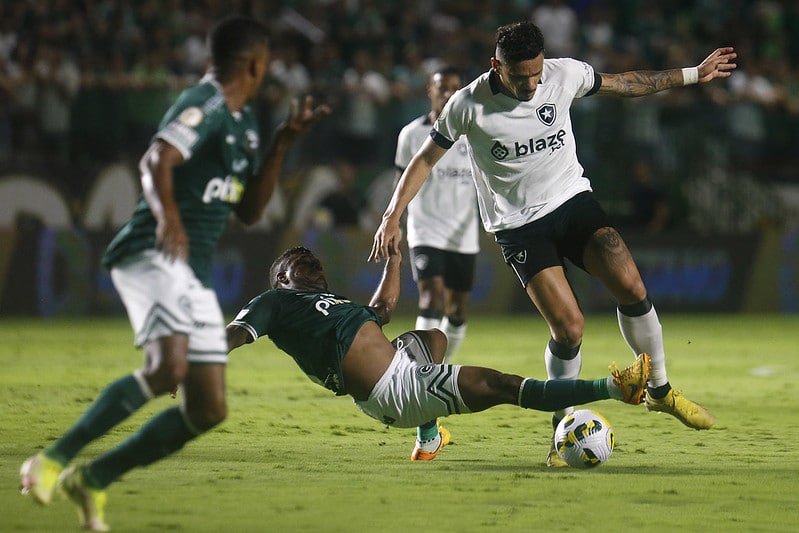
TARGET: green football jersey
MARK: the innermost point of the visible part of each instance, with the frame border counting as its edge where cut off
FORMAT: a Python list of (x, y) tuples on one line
[(221, 150), (315, 328)]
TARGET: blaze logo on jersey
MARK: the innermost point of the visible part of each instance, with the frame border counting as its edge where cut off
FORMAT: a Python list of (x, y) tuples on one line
[(547, 113), (534, 146), (228, 190), (499, 151)]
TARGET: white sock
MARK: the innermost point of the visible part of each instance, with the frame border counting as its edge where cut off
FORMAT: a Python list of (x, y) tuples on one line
[(645, 334), (455, 336), (429, 445), (558, 368), (427, 323), (613, 389)]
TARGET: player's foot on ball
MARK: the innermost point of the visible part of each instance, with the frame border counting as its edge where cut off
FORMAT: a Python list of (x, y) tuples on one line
[(689, 413), (428, 449), (89, 501), (632, 380), (553, 459), (38, 478)]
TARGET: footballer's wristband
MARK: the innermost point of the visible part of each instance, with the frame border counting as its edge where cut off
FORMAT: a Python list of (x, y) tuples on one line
[(690, 75)]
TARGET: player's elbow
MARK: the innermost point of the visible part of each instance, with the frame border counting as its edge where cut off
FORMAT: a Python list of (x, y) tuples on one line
[(385, 309)]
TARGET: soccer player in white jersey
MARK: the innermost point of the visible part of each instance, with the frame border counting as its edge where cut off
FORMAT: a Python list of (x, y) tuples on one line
[(443, 222), (534, 197)]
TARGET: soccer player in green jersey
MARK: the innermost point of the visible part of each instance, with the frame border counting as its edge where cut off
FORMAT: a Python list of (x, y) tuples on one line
[(341, 345), (204, 163)]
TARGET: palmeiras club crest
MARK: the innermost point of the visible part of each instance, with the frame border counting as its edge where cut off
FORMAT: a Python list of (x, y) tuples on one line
[(547, 113)]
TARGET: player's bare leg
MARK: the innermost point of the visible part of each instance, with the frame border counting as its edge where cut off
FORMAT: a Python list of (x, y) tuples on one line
[(608, 258), (454, 322), (430, 303), (430, 436), (550, 292)]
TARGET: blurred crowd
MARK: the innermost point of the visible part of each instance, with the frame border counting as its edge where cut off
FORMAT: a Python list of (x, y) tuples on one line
[(86, 81)]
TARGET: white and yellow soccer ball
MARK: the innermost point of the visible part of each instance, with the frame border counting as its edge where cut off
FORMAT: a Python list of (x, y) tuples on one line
[(584, 439)]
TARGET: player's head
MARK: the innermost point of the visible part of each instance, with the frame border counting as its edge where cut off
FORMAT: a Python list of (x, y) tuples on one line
[(443, 84), (239, 45), (297, 268), (519, 58)]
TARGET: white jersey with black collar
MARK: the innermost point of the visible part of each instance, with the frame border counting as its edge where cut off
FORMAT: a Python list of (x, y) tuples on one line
[(524, 157), (443, 214)]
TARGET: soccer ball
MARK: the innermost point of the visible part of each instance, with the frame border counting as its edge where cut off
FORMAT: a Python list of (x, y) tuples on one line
[(584, 439)]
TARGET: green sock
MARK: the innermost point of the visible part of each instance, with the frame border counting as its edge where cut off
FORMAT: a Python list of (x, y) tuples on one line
[(118, 401), (427, 431), (555, 394), (161, 436)]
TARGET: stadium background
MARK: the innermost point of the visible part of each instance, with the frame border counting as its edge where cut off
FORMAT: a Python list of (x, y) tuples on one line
[(84, 83)]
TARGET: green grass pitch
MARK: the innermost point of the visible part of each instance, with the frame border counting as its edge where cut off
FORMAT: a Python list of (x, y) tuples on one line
[(292, 457)]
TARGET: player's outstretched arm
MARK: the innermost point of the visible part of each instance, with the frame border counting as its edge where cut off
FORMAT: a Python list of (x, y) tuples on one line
[(643, 82), (260, 188), (236, 336), (388, 236), (387, 294)]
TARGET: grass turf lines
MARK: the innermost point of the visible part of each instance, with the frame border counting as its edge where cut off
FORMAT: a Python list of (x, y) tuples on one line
[(292, 457)]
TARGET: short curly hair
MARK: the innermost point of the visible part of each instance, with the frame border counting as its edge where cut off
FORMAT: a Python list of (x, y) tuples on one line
[(519, 41)]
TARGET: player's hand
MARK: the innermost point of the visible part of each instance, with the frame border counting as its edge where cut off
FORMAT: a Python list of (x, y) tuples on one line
[(171, 239), (386, 241), (395, 254), (717, 65), (301, 118)]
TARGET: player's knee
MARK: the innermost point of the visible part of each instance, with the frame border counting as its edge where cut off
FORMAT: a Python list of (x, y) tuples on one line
[(436, 342), (166, 376), (456, 314), (635, 289), (569, 333), (209, 415)]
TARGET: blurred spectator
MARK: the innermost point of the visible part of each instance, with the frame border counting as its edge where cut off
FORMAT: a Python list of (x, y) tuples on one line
[(751, 95), (341, 207), (328, 198), (369, 59), (58, 82), (558, 23), (408, 84), (366, 91), (291, 76), (22, 90), (651, 209)]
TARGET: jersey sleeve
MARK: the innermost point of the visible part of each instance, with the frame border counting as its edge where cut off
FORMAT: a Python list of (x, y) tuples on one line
[(577, 76), (187, 125), (404, 149), (256, 316), (453, 121)]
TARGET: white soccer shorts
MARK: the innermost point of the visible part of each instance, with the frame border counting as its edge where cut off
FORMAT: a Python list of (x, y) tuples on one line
[(165, 298), (414, 390)]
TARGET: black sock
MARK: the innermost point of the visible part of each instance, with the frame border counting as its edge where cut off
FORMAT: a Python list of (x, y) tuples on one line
[(659, 392)]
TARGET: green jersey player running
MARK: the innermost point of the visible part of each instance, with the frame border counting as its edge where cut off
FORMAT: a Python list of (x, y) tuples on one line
[(534, 197), (203, 163), (341, 345)]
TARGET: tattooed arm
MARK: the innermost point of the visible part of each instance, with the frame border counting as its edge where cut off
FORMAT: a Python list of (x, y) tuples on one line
[(643, 82)]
